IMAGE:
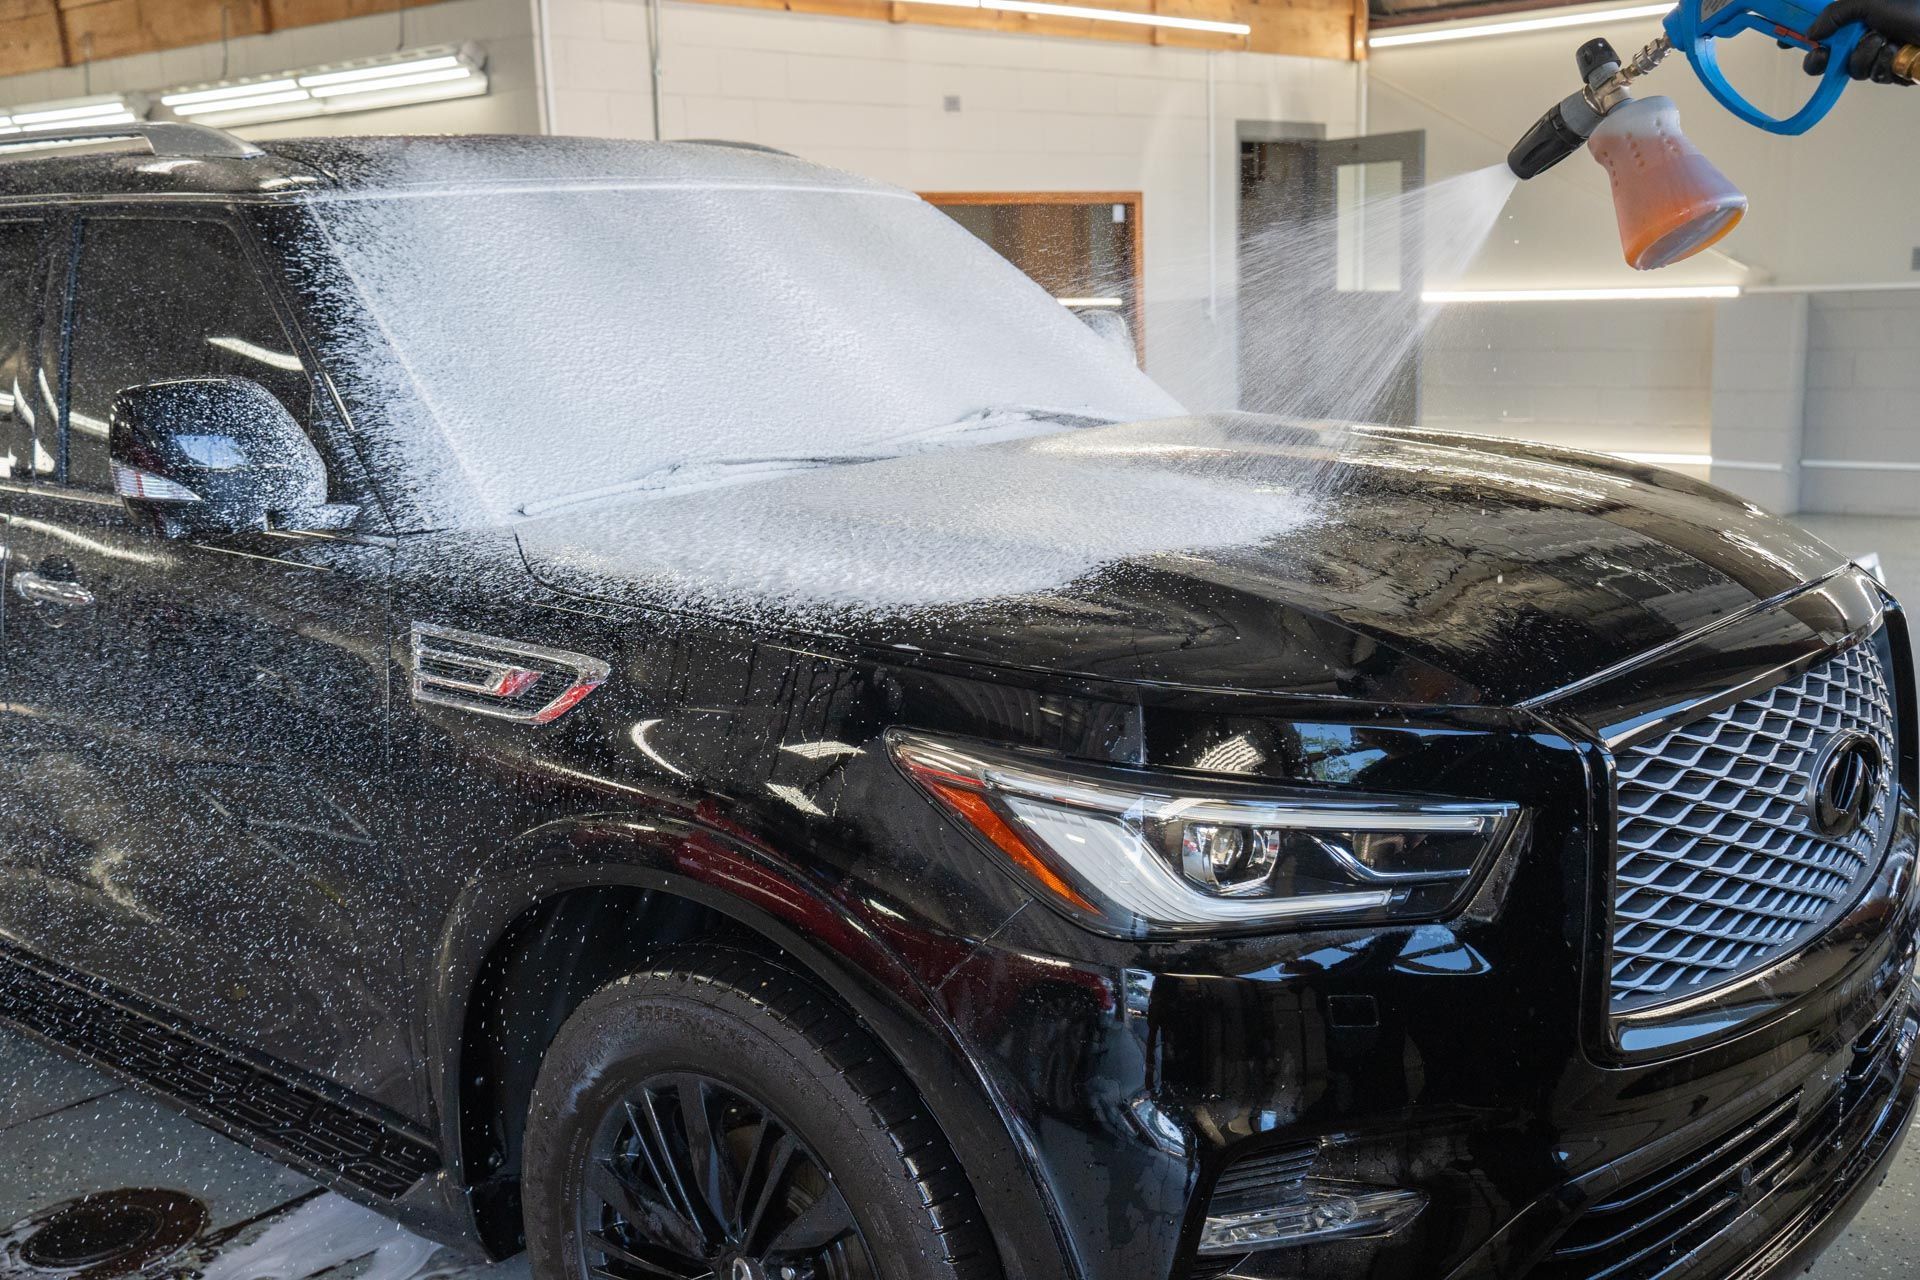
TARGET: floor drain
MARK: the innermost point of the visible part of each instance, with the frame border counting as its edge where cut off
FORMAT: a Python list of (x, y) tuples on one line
[(100, 1236)]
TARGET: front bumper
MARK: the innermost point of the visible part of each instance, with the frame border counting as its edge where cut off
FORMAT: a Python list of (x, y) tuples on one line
[(1834, 1195), (1474, 1060), (1448, 1059)]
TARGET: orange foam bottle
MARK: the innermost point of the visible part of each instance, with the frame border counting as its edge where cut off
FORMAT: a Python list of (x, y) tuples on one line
[(1670, 200)]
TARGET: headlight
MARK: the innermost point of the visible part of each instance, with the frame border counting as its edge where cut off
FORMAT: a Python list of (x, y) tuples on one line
[(1141, 853)]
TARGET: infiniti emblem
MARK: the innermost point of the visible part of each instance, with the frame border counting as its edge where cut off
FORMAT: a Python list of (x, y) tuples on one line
[(1844, 784)]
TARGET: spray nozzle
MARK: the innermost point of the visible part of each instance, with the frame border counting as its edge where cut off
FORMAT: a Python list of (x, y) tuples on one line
[(1554, 136), (1570, 122)]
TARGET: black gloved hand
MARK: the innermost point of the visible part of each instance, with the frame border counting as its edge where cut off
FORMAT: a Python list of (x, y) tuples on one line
[(1891, 25)]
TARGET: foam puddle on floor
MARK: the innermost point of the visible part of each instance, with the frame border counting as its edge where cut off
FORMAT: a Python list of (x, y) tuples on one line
[(331, 1236), (319, 1234)]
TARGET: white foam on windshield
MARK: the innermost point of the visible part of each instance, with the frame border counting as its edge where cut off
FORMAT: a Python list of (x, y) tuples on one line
[(703, 350), (555, 337)]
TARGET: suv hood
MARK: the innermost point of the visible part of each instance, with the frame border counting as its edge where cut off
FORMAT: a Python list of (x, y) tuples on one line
[(1227, 552)]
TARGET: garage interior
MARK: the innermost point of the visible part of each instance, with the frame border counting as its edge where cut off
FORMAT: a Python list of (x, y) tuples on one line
[(1142, 168)]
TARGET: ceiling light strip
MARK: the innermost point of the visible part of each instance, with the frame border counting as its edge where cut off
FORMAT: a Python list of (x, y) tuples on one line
[(428, 63), (74, 113), (1677, 293), (1038, 9), (1475, 31), (190, 110), (239, 89), (403, 79), (388, 83)]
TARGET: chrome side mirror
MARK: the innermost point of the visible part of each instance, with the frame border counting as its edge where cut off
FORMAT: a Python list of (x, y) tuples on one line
[(217, 455)]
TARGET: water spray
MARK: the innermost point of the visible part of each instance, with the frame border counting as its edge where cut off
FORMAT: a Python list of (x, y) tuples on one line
[(1670, 199)]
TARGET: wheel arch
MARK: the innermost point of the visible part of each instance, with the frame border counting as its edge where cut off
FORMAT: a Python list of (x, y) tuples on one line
[(545, 929)]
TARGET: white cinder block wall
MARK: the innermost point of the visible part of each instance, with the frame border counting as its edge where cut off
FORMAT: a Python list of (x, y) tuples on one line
[(1632, 377), (1759, 397), (1034, 114), (1862, 417)]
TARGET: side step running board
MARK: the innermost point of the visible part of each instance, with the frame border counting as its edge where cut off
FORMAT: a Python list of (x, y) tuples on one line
[(326, 1137)]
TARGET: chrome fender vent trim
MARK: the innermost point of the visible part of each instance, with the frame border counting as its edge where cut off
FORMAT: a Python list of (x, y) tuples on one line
[(505, 679)]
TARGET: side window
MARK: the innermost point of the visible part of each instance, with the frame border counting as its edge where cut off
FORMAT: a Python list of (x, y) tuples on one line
[(161, 299), (21, 277)]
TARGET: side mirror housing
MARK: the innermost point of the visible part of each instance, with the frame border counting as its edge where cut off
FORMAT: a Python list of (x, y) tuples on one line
[(1112, 326), (217, 455)]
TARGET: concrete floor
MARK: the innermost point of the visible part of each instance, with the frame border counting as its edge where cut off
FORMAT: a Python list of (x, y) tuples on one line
[(66, 1131)]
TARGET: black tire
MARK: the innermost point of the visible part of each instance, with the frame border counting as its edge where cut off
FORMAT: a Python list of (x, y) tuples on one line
[(764, 1037)]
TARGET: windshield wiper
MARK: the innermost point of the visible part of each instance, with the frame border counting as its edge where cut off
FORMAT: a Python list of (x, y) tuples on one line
[(993, 424), (691, 477), (985, 426)]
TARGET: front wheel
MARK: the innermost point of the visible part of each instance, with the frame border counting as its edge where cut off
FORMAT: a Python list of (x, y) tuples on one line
[(717, 1116)]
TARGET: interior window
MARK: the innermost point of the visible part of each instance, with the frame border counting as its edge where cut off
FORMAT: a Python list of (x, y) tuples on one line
[(161, 299), (20, 296)]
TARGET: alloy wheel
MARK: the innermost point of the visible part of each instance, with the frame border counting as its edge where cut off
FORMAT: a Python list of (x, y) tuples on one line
[(689, 1178)]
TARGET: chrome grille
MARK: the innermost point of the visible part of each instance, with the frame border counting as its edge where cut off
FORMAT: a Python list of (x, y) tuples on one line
[(1718, 868)]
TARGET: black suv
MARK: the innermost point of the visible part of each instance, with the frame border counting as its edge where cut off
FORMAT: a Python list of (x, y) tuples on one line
[(660, 704)]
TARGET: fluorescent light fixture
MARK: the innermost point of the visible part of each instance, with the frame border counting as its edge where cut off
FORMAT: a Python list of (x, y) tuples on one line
[(1091, 302), (393, 80), (248, 102), (1677, 293), (388, 83), (228, 93), (1042, 10), (1584, 18), (425, 62), (74, 113)]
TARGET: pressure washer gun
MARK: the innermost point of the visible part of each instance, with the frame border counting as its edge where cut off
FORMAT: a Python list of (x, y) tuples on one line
[(1671, 201)]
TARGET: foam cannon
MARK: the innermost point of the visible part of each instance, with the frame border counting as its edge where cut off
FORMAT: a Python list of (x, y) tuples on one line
[(1670, 199)]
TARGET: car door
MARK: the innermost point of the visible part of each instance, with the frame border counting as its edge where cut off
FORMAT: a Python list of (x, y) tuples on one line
[(195, 807)]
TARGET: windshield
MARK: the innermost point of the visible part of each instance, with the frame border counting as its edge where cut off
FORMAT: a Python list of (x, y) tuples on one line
[(534, 347)]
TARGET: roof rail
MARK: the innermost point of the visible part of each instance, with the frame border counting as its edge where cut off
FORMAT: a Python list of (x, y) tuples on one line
[(166, 137)]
